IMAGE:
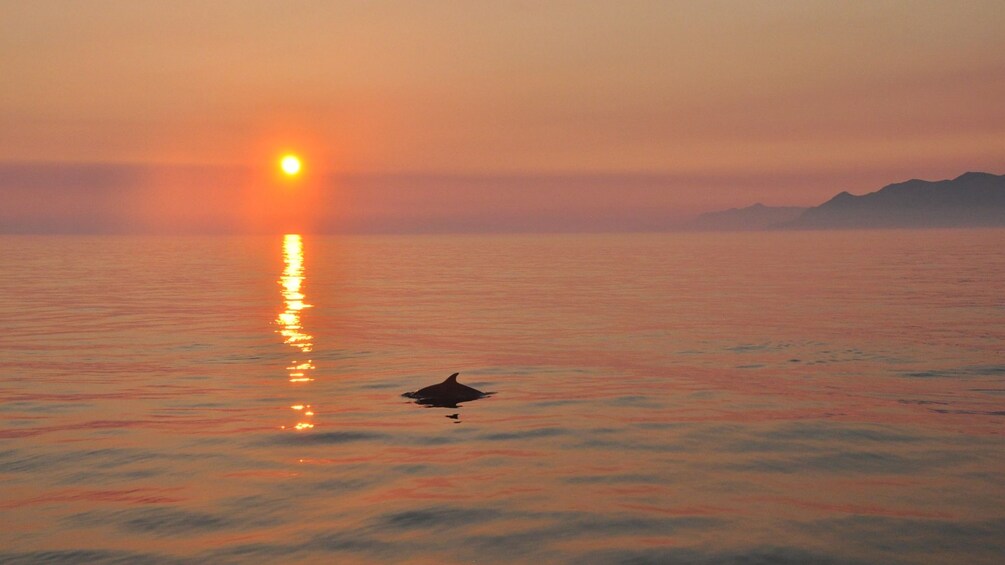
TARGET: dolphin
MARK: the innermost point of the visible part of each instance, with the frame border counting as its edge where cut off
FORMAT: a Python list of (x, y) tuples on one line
[(446, 394)]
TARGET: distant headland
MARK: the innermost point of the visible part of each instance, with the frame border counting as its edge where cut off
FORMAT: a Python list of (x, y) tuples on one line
[(970, 200)]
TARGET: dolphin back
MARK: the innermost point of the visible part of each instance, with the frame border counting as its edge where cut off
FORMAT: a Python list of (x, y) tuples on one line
[(447, 393)]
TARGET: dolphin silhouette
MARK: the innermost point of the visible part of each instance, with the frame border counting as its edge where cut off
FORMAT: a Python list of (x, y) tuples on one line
[(446, 394)]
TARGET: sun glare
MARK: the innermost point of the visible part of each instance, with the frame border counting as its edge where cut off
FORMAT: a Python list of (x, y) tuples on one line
[(290, 164)]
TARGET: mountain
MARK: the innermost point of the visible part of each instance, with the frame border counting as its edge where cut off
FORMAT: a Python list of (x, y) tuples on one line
[(756, 217), (970, 200)]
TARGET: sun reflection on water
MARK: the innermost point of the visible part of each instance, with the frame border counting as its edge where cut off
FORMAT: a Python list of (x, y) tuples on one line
[(291, 327)]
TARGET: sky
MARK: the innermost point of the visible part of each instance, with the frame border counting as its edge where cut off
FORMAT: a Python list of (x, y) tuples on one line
[(501, 116)]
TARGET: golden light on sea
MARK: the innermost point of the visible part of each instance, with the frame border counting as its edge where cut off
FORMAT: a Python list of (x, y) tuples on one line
[(291, 326)]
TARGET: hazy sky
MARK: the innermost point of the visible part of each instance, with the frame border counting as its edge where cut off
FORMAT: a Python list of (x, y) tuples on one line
[(729, 102)]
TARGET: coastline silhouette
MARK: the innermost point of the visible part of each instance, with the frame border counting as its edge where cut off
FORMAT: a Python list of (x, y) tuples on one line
[(972, 199)]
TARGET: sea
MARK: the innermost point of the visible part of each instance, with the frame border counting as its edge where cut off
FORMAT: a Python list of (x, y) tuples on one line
[(820, 397)]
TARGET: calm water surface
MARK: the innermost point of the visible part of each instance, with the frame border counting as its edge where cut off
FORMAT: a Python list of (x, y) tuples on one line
[(713, 398)]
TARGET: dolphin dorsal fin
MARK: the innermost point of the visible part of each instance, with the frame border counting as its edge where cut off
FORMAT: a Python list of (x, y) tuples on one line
[(451, 378)]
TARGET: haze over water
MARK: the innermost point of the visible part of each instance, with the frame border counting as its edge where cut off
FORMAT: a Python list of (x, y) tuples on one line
[(833, 397)]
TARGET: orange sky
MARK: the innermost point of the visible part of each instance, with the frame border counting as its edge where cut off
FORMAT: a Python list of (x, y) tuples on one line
[(735, 94)]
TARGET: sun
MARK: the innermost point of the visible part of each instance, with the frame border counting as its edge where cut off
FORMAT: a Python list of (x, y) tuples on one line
[(290, 164)]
